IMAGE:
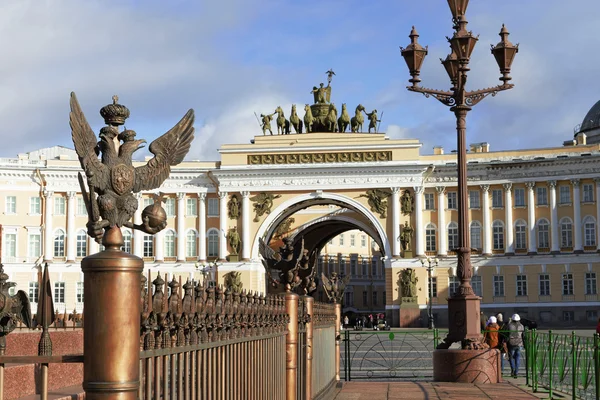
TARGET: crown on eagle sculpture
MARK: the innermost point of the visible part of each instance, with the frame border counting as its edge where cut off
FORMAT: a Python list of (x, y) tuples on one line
[(114, 114)]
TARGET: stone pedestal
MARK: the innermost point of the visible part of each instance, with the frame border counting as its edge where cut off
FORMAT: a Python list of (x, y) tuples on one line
[(463, 318), (233, 258), (467, 366), (408, 254), (409, 313)]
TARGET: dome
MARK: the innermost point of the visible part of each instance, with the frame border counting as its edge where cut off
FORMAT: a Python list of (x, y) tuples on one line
[(591, 120)]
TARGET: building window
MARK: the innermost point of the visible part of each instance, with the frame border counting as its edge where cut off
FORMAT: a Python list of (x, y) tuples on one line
[(591, 315), (520, 235), (567, 283), (374, 297), (452, 235), (497, 198), (475, 235), (566, 233), (589, 232), (59, 292), (170, 244), (11, 204), (365, 268), (434, 292), (81, 210), (498, 235), (568, 316), (81, 246), (498, 285), (521, 285), (10, 244), (59, 243), (564, 195), (453, 284), (349, 299), (35, 245), (213, 208), (374, 266), (429, 201), (352, 240), (33, 292), (341, 238), (80, 292), (170, 206), (148, 201), (213, 243), (330, 266), (342, 266), (191, 207), (588, 193), (476, 285), (191, 247), (543, 228), (148, 246), (365, 296), (430, 238), (544, 281), (59, 206), (353, 266), (474, 199), (590, 283), (542, 196), (452, 202), (35, 206), (519, 197), (363, 240), (127, 241)]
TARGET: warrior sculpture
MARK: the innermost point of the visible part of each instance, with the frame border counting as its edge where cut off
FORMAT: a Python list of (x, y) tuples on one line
[(112, 180), (233, 207), (373, 121), (407, 203), (409, 281), (334, 286)]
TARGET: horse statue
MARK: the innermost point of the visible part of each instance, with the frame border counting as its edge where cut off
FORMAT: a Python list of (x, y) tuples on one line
[(295, 120), (344, 119), (283, 125), (308, 118), (331, 119), (356, 123)]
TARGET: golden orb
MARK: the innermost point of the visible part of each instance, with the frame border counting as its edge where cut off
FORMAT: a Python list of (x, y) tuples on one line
[(155, 213)]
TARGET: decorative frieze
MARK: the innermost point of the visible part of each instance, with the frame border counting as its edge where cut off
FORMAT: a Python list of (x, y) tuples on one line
[(320, 158)]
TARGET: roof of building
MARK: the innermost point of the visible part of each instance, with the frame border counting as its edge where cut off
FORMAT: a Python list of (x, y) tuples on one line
[(591, 120)]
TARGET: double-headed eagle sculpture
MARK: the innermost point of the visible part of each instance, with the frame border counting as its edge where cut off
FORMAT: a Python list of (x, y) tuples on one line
[(112, 179), (13, 309)]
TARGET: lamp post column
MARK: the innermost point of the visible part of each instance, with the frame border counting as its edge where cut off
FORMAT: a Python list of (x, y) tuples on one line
[(48, 234), (202, 226), (396, 222), (531, 218), (181, 227), (246, 226), (578, 245), (487, 224), (223, 226), (431, 321), (442, 248), (419, 248), (509, 248), (555, 249)]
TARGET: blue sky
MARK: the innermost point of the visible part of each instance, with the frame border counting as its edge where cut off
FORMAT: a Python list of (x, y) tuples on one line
[(231, 58)]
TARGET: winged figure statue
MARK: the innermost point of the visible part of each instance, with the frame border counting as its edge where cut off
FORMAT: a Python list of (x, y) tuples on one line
[(112, 179), (263, 202), (13, 309), (335, 286), (377, 200)]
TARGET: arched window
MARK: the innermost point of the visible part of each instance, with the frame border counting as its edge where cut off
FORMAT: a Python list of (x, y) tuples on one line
[(191, 246), (213, 243), (566, 232), (127, 241), (476, 235), (59, 243), (148, 246), (543, 231), (589, 231), (498, 235), (520, 234), (169, 243), (81, 244), (430, 238), (452, 235)]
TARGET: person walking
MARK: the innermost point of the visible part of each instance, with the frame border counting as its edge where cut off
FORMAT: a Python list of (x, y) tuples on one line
[(515, 343), (502, 339), (491, 333), (346, 322)]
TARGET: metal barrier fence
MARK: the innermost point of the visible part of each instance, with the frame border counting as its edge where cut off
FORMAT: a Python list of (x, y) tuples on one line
[(323, 368), (565, 363)]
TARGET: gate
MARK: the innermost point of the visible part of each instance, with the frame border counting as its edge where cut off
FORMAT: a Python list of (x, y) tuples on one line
[(389, 355)]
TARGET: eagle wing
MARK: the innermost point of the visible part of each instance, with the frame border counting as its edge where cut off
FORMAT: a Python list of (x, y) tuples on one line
[(22, 308), (382, 192), (85, 145), (169, 149), (259, 197), (326, 282), (270, 256)]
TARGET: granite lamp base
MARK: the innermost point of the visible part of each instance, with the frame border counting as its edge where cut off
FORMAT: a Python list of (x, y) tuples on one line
[(467, 366)]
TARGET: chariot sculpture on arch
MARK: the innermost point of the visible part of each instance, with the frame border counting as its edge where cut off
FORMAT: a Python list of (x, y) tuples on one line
[(112, 179)]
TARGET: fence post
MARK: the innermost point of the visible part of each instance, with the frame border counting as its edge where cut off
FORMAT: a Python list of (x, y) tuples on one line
[(527, 355), (573, 366), (291, 345), (309, 345), (597, 364), (436, 338), (534, 381), (338, 320), (550, 363)]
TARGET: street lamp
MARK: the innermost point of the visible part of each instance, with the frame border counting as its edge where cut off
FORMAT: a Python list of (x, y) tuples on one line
[(431, 262), (464, 305)]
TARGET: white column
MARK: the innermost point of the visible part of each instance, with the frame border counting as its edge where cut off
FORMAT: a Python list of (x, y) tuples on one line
[(509, 246), (532, 246), (419, 228), (222, 225), (48, 233), (442, 237), (71, 235), (246, 226), (202, 226), (159, 246), (487, 223), (598, 212), (138, 236), (180, 226), (553, 218), (578, 248), (396, 222)]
